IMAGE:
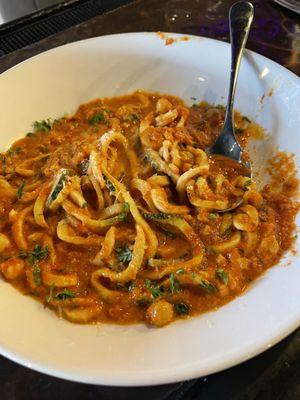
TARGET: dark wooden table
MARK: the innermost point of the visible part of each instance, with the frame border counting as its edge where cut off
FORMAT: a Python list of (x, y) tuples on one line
[(274, 375)]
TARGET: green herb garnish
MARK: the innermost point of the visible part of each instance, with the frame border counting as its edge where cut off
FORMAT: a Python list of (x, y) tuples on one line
[(207, 286), (59, 186), (65, 294), (158, 216), (132, 118), (109, 185), (169, 234), (180, 271), (30, 134), (143, 302), (39, 253), (36, 273), (247, 184), (181, 309), (222, 275), (20, 189), (154, 289), (123, 216), (124, 254), (174, 284), (99, 117), (212, 216), (42, 126), (14, 150), (58, 121)]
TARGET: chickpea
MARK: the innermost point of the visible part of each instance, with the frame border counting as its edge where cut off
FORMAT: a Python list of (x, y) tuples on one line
[(160, 313), (12, 268)]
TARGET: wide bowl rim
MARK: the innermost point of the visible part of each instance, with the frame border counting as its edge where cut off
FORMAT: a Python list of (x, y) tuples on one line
[(180, 373)]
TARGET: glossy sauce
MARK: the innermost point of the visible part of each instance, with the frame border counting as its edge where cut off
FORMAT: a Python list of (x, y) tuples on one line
[(68, 144)]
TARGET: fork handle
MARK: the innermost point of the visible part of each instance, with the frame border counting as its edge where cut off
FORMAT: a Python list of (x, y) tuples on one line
[(240, 19)]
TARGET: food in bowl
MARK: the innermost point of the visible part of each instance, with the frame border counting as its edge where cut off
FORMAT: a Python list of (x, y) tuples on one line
[(117, 214)]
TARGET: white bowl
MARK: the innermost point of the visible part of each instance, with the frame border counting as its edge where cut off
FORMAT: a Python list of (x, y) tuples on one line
[(56, 82)]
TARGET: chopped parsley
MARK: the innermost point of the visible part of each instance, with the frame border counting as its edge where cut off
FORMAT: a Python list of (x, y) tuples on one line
[(36, 273), (58, 121), (132, 118), (174, 284), (124, 254), (30, 134), (13, 150), (109, 185), (158, 216), (42, 126), (169, 234), (207, 286), (99, 118), (126, 207), (65, 294), (143, 302), (20, 189), (181, 308), (212, 216), (180, 271), (39, 253), (154, 289), (247, 184), (222, 275), (59, 186), (123, 216)]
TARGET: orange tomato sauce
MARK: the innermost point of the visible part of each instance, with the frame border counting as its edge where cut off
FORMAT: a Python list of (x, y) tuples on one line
[(113, 214)]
